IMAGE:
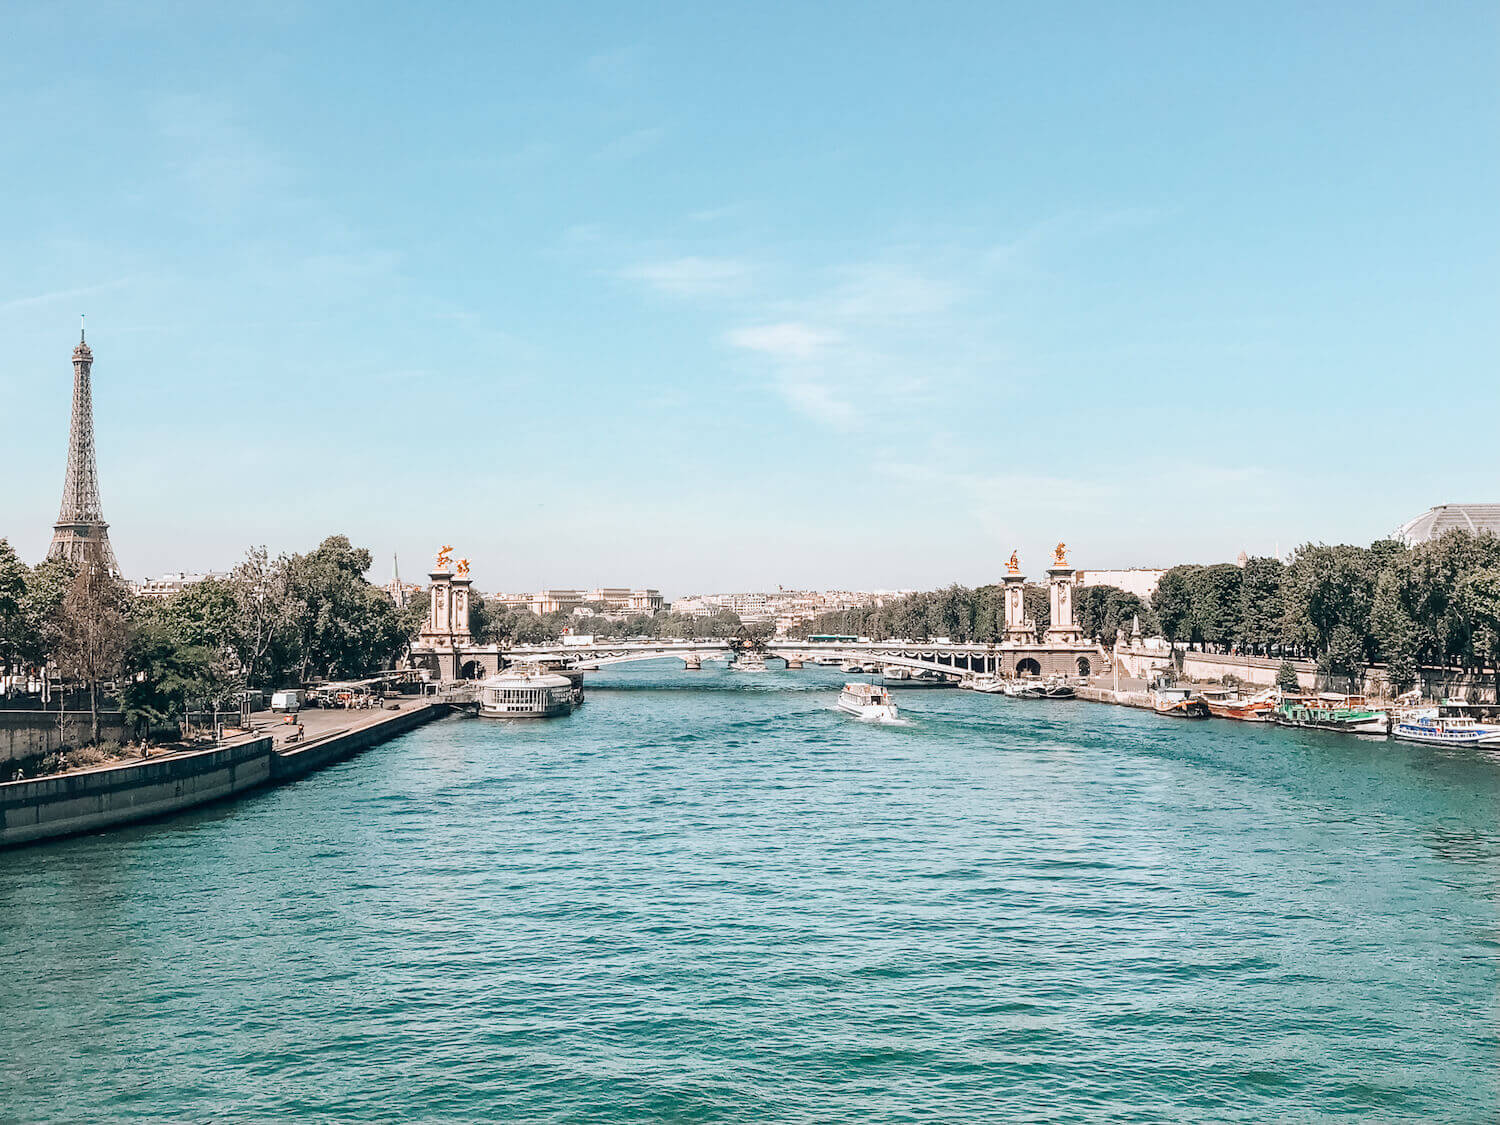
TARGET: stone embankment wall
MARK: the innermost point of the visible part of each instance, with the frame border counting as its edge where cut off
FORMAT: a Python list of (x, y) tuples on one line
[(1124, 698), (30, 734), (300, 759), (102, 798), (89, 800), (1437, 683)]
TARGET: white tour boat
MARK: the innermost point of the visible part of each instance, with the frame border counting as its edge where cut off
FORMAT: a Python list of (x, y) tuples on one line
[(1435, 729), (867, 701), (749, 662), (525, 694)]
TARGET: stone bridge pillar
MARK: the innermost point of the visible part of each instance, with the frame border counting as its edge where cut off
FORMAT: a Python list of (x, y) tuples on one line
[(439, 626), (1016, 629), (458, 608), (1060, 581)]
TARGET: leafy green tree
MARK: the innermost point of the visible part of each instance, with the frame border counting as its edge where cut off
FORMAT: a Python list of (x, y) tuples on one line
[(266, 635), (1479, 595), (1397, 633), (1173, 603), (46, 587), (989, 614), (419, 605), (1325, 588), (1102, 611), (347, 627), (1037, 604), (91, 624), (1215, 593), (13, 622), (1346, 654), (1286, 676), (1261, 608), (169, 677), (479, 614)]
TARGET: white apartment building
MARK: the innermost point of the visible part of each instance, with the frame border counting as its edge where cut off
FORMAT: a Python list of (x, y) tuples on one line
[(1138, 580), (169, 584)]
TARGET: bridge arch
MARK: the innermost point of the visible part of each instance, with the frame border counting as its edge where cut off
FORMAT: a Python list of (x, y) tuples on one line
[(1084, 667), (1028, 666)]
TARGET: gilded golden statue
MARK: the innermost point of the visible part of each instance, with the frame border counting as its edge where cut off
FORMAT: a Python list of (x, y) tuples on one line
[(1060, 555), (444, 554), (463, 568), (1014, 565)]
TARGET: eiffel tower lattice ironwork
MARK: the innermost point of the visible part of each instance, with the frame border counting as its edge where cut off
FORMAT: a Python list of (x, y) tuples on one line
[(80, 534)]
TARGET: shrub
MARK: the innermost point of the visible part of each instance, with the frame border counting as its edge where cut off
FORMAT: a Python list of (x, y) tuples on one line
[(1286, 676), (86, 756)]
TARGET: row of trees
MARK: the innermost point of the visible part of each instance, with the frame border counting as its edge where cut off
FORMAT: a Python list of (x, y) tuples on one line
[(270, 623), (490, 622), (969, 615), (1436, 604)]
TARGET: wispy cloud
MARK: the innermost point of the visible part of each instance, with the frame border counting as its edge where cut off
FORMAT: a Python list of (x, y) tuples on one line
[(62, 294), (818, 401), (874, 333), (691, 276), (790, 341), (916, 323)]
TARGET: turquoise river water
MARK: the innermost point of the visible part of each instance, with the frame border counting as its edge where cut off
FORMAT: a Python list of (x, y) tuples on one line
[(709, 897)]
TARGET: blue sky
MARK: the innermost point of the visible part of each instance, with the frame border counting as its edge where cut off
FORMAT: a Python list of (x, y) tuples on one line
[(730, 296)]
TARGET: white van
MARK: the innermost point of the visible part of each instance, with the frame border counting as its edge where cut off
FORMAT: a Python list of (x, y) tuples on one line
[(288, 701)]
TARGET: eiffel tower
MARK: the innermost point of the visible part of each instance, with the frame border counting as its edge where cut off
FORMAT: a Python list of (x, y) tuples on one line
[(80, 535)]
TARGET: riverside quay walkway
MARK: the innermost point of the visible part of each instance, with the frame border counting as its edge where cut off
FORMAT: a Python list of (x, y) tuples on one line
[(87, 800)]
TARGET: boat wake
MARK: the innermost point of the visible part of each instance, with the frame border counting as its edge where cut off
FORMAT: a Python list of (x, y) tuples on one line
[(876, 720)]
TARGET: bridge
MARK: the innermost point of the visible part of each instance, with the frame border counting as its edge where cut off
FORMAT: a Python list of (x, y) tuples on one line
[(956, 661), (446, 648)]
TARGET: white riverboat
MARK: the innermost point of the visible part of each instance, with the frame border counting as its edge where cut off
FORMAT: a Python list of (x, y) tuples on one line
[(525, 694), (749, 662), (985, 684), (1432, 728), (867, 701)]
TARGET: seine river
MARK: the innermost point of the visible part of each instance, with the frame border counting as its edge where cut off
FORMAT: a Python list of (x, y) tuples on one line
[(709, 897)]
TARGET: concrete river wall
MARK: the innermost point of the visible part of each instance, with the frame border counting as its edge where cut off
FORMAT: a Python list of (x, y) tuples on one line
[(30, 734), (89, 800)]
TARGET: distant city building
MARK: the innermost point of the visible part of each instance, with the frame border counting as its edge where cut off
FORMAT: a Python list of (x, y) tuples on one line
[(787, 608), (169, 584), (748, 607), (402, 592), (1432, 523), (619, 599), (693, 605), (1138, 580), (645, 600), (613, 597), (555, 600)]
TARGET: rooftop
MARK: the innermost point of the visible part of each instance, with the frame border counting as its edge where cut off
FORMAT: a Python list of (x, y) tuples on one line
[(1432, 523)]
